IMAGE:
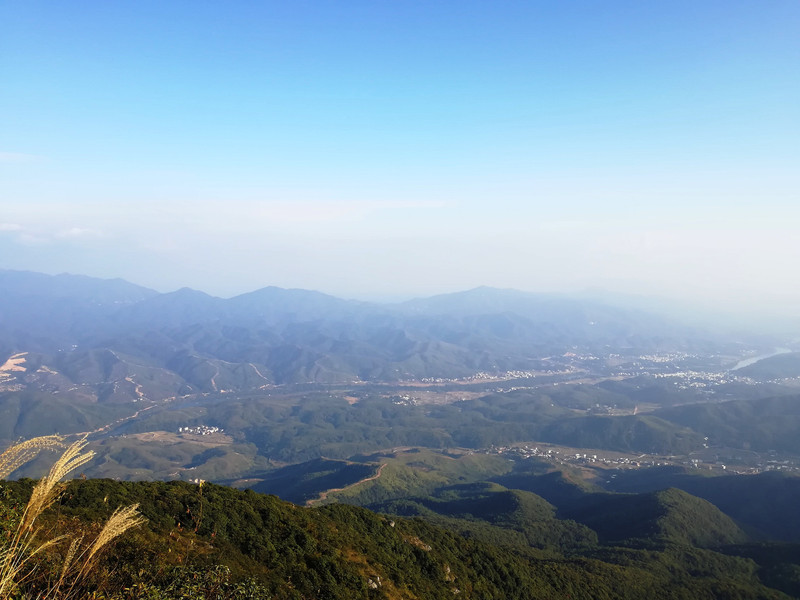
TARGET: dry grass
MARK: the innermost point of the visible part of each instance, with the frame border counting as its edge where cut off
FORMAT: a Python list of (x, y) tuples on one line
[(18, 454), (17, 554), (121, 521), (47, 490)]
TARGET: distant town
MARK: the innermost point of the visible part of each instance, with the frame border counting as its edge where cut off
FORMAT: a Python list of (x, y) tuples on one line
[(602, 459)]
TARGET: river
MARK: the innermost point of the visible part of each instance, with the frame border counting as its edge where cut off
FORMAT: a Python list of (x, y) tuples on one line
[(754, 359)]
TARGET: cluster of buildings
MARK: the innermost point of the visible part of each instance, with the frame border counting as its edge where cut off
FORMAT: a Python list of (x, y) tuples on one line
[(573, 457), (200, 430), (702, 379), (566, 456), (667, 357), (483, 376), (405, 400)]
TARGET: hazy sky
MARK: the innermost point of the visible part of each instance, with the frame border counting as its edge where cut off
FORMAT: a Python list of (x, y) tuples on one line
[(396, 148)]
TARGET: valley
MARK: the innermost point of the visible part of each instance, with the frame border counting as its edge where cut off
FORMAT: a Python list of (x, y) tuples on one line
[(587, 390), (510, 424)]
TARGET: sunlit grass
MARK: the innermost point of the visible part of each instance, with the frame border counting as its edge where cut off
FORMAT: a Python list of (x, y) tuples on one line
[(26, 541)]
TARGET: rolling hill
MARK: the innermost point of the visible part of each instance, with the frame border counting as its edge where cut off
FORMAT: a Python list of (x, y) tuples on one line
[(215, 542), (306, 336)]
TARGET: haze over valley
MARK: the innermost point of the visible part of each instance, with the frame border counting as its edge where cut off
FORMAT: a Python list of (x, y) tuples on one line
[(515, 419), (480, 370), (400, 300)]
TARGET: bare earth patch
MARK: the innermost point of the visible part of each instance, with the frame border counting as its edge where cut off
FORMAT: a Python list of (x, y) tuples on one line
[(167, 437), (14, 363)]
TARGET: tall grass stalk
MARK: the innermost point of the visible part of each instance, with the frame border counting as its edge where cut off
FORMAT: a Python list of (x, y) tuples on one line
[(27, 541), (17, 455)]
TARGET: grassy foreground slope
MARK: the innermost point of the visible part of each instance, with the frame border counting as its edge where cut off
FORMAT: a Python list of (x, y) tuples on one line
[(279, 550)]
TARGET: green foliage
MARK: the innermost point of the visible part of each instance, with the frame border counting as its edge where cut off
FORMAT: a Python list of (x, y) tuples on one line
[(296, 429), (764, 504), (217, 542), (31, 414), (419, 472), (496, 515), (625, 434), (564, 488), (306, 481), (762, 425), (667, 516), (215, 583), (779, 564), (11, 507), (167, 456)]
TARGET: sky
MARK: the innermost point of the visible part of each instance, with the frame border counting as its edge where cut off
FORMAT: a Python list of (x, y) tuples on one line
[(387, 149)]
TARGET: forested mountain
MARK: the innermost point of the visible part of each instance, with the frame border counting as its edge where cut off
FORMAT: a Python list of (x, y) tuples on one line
[(211, 542), (281, 336), (484, 444)]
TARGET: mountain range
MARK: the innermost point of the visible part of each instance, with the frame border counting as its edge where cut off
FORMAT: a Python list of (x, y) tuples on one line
[(426, 411), (131, 342)]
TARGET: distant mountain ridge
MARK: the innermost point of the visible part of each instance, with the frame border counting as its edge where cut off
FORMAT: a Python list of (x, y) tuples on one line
[(274, 335)]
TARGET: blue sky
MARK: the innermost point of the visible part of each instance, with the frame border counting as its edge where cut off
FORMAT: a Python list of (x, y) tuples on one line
[(386, 149)]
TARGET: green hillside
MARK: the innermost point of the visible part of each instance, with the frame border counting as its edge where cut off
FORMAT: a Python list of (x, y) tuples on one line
[(492, 513), (764, 504), (562, 487), (418, 472), (309, 480), (669, 515), (30, 413), (762, 425), (624, 434), (216, 542), (775, 367)]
